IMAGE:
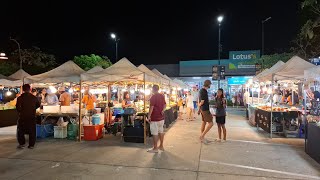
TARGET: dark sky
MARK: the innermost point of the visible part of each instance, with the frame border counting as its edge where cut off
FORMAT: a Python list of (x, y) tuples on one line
[(151, 32)]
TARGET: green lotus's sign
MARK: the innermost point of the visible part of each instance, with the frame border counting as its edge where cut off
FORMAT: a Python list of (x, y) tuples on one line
[(244, 55)]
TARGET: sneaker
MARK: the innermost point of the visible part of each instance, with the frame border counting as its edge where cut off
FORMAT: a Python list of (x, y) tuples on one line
[(151, 150), (31, 147), (217, 140), (21, 146), (223, 141)]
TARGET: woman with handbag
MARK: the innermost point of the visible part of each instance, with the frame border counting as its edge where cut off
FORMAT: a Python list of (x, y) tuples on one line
[(221, 115)]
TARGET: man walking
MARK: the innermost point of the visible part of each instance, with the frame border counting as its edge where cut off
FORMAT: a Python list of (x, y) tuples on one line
[(156, 119), (26, 107), (207, 122)]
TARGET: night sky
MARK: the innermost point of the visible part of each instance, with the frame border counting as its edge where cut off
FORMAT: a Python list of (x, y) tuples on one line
[(149, 32)]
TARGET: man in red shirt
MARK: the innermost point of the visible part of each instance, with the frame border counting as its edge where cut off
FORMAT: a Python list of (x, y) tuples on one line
[(156, 118)]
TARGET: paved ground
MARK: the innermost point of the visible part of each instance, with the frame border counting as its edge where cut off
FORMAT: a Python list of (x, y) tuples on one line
[(249, 154)]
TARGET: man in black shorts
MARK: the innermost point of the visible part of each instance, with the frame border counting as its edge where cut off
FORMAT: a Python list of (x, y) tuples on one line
[(207, 122)]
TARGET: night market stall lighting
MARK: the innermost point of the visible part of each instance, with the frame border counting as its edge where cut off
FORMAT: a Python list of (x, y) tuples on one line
[(8, 93), (53, 89)]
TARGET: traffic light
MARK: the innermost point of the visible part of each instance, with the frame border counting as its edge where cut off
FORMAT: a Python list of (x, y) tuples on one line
[(215, 75), (221, 72)]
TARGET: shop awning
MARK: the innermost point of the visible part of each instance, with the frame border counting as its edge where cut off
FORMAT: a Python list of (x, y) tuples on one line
[(67, 72), (95, 69)]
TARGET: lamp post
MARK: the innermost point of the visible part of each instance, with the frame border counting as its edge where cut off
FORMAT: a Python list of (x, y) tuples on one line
[(19, 51), (220, 19), (262, 37), (116, 39)]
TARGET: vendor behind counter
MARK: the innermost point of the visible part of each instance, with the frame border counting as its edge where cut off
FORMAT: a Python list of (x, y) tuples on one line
[(65, 97), (89, 100)]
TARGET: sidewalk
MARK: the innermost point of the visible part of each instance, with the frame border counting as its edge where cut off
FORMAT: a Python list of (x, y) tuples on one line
[(248, 154)]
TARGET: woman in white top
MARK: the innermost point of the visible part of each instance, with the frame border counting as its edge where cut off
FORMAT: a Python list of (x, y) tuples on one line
[(190, 106)]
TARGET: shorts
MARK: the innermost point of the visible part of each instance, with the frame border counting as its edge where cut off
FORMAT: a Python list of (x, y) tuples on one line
[(195, 105), (156, 127), (221, 120), (206, 116), (181, 109)]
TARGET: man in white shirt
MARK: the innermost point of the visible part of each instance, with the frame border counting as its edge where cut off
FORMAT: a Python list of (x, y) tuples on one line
[(195, 95)]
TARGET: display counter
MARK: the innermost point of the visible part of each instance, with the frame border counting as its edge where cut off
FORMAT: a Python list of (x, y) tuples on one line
[(287, 123), (313, 145), (252, 114), (8, 117)]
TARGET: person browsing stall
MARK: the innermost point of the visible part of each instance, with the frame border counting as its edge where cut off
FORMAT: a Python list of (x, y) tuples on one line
[(26, 106), (51, 98), (65, 97), (156, 119), (221, 104)]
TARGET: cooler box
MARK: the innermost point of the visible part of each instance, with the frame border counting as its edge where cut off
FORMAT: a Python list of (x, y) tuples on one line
[(60, 132), (70, 109), (92, 133), (43, 131)]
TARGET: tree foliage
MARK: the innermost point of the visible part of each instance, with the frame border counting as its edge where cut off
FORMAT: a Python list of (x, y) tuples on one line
[(269, 60), (34, 61), (307, 42), (87, 62)]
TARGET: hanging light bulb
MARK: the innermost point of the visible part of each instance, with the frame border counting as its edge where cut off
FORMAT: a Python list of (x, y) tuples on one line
[(148, 92), (114, 90), (179, 88), (82, 90), (8, 93), (132, 91), (285, 85), (264, 89), (124, 90), (53, 89), (269, 91), (70, 90)]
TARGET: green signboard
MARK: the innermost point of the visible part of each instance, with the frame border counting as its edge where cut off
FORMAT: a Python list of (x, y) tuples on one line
[(244, 55)]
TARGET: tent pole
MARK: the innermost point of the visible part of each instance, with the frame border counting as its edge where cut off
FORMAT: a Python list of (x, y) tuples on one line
[(144, 110), (305, 121), (80, 105), (271, 106)]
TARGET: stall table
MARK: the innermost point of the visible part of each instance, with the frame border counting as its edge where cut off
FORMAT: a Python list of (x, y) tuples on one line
[(313, 145), (8, 117)]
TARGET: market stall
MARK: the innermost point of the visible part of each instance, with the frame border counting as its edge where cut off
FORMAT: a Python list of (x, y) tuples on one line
[(8, 113), (277, 116), (62, 76), (312, 103), (123, 77)]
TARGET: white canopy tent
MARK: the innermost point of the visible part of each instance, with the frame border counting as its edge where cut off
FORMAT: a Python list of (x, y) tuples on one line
[(181, 84), (9, 82), (123, 70), (151, 76), (266, 75), (19, 75), (95, 69), (163, 76), (312, 74), (67, 72)]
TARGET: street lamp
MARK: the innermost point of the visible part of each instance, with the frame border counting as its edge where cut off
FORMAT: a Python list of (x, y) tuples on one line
[(262, 37), (3, 56), (116, 39), (220, 19), (19, 51)]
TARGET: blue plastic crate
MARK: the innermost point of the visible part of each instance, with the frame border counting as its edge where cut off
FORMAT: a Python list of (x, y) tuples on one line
[(117, 111), (44, 131)]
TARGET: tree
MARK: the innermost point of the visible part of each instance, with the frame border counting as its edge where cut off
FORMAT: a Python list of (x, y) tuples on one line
[(34, 61), (87, 62), (7, 68), (269, 60), (307, 42)]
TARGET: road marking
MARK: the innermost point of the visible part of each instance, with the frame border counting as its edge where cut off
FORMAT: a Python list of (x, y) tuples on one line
[(265, 143), (261, 169)]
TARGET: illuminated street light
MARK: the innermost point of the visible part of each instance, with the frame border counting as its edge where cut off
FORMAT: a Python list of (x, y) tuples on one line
[(116, 39), (220, 18), (3, 56)]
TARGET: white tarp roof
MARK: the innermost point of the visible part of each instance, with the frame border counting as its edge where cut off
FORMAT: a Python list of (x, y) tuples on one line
[(293, 69), (161, 75), (181, 83), (151, 76), (19, 75), (123, 70), (67, 72), (312, 73), (9, 82), (95, 69), (266, 75)]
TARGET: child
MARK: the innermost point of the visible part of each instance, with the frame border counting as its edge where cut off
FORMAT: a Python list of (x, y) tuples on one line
[(221, 115)]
